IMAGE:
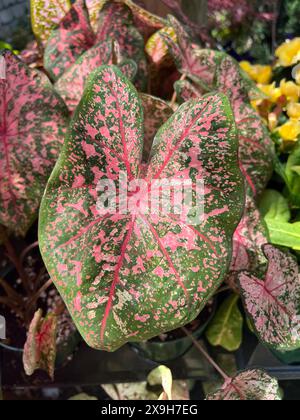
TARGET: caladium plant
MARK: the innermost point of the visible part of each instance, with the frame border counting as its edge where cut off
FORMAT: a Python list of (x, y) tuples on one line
[(251, 385), (33, 123), (40, 347), (46, 15), (72, 37), (273, 303), (71, 85), (97, 261)]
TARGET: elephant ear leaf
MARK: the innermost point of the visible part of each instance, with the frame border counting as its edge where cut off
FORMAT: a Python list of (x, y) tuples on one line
[(46, 15), (256, 147), (116, 22), (96, 257), (249, 238), (68, 41), (273, 303), (33, 123), (156, 113), (250, 385), (40, 346), (191, 60)]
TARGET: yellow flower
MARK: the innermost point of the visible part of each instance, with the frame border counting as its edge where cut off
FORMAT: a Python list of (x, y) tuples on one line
[(290, 130), (293, 110), (272, 121), (271, 91), (260, 74), (289, 53), (290, 90), (297, 75)]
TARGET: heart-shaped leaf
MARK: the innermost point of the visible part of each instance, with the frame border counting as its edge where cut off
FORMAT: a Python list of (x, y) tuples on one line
[(249, 237), (156, 113), (97, 261), (273, 303), (251, 385), (226, 328), (33, 123), (46, 15), (72, 38), (116, 23), (256, 147), (156, 47), (40, 347)]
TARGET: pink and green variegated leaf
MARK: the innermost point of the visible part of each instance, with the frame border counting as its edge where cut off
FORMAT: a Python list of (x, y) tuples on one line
[(250, 385), (71, 85), (94, 7), (273, 304), (46, 15), (186, 91), (193, 61), (97, 261), (256, 147), (116, 23), (249, 238), (33, 123), (40, 346), (68, 41), (156, 47), (156, 113)]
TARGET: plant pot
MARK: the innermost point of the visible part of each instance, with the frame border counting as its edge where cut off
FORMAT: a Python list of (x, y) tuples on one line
[(163, 352), (288, 357)]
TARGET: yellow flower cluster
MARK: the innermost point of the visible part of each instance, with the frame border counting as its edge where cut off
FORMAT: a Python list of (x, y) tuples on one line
[(283, 97)]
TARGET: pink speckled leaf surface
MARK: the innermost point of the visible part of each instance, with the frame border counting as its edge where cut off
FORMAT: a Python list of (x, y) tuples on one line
[(33, 123), (72, 37), (273, 303), (116, 23), (256, 147), (129, 277), (249, 237), (46, 15), (250, 385), (40, 346), (156, 113)]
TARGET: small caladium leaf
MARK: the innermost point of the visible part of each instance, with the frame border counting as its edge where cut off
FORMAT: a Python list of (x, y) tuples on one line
[(186, 91), (249, 237), (116, 23), (46, 15), (40, 347), (193, 61), (33, 122), (256, 147), (226, 329), (273, 303), (156, 113), (71, 85), (162, 375), (72, 38), (156, 47), (251, 385), (97, 261), (94, 7)]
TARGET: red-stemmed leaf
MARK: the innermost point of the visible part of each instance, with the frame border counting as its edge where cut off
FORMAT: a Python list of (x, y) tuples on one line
[(250, 385), (191, 60), (249, 237), (40, 346), (33, 122), (156, 113), (69, 41), (128, 277), (256, 147), (273, 303), (116, 23)]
